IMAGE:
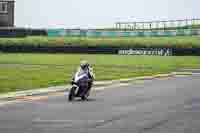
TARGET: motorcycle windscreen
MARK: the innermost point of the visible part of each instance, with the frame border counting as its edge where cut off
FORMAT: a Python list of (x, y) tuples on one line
[(80, 76)]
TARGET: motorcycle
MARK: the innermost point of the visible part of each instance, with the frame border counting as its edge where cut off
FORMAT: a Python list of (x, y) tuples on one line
[(79, 86)]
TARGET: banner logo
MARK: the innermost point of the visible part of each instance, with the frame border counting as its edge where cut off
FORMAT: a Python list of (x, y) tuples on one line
[(159, 52)]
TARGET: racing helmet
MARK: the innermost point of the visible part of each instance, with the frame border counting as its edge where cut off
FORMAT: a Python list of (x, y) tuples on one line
[(84, 64)]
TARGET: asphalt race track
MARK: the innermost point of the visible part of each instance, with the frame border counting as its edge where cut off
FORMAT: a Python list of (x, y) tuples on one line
[(170, 105)]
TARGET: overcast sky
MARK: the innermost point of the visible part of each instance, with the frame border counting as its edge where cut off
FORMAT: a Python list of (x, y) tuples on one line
[(99, 13)]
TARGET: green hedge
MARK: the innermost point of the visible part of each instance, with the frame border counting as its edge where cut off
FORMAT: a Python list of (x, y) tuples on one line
[(138, 42)]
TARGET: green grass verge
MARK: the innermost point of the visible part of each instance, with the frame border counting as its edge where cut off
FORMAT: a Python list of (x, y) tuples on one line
[(183, 73), (137, 42), (28, 71)]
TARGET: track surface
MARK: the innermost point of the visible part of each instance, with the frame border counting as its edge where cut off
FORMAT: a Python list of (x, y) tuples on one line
[(155, 106)]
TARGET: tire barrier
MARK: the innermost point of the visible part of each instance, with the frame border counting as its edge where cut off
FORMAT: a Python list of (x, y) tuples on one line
[(13, 32), (21, 32)]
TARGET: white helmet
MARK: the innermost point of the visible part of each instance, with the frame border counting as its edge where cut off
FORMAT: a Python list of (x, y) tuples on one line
[(84, 64)]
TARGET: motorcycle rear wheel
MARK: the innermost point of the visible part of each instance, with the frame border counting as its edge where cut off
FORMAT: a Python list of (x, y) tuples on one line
[(83, 98)]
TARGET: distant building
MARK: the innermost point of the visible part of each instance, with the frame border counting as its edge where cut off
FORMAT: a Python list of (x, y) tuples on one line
[(7, 13)]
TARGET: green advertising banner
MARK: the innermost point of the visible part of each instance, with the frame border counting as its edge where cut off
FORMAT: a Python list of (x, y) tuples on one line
[(56, 32), (94, 33)]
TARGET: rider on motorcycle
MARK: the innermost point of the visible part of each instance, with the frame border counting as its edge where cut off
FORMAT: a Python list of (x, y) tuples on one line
[(85, 67)]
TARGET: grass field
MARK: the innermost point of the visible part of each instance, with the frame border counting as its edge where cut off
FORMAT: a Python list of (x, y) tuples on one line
[(28, 71), (176, 42)]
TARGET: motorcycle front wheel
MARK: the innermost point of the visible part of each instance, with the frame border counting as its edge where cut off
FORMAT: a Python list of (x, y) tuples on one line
[(71, 94)]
